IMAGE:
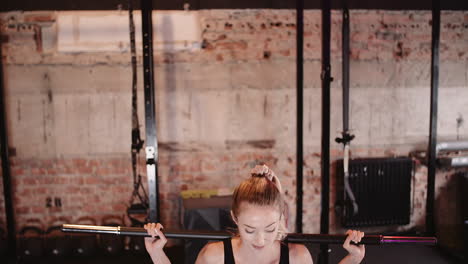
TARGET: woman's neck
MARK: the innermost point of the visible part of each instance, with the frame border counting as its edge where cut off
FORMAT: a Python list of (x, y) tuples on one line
[(246, 254)]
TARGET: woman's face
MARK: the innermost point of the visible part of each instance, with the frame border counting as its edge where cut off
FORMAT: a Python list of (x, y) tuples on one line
[(258, 225)]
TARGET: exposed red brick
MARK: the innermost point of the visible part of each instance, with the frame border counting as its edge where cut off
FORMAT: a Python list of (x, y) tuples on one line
[(38, 210), (85, 170), (30, 181), (22, 210), (40, 190), (17, 171), (51, 171), (103, 171), (31, 18), (119, 207), (92, 181), (72, 189)]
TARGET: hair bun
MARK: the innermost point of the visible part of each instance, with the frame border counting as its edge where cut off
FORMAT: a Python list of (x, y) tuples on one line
[(264, 171)]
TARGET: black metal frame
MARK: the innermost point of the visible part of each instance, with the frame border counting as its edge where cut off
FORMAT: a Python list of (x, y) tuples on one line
[(432, 154), (27, 5), (326, 79), (7, 187), (300, 111), (345, 71), (151, 138), (325, 161), (151, 148)]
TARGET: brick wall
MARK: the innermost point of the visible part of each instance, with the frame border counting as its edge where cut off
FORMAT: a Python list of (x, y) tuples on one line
[(221, 107)]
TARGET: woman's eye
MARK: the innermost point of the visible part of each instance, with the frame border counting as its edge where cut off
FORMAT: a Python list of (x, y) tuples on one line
[(270, 231), (249, 231)]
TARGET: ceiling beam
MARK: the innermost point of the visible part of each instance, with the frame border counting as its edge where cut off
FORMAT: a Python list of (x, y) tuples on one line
[(27, 5)]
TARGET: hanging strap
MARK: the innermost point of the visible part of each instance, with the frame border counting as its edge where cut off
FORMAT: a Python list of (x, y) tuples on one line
[(137, 143), (347, 137)]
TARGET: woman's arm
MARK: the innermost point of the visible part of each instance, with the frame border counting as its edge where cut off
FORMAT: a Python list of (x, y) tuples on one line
[(355, 252), (155, 245)]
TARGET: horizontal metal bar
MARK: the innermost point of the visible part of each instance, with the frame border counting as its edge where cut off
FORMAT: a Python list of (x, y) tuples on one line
[(216, 235), (452, 146), (453, 161), (91, 229), (139, 231), (25, 5)]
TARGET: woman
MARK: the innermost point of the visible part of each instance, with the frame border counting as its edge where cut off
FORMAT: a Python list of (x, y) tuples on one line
[(258, 211)]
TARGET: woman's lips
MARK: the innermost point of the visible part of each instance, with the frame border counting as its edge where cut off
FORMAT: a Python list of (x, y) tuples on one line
[(258, 247)]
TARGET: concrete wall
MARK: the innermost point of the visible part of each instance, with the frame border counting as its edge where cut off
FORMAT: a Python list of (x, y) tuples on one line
[(225, 99)]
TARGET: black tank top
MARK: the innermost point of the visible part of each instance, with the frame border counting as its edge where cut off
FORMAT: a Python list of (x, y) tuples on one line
[(229, 255)]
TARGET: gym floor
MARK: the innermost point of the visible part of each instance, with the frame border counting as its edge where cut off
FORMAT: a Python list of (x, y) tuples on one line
[(400, 254)]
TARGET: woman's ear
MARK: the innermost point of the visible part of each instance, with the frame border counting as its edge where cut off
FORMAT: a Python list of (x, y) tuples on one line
[(234, 218)]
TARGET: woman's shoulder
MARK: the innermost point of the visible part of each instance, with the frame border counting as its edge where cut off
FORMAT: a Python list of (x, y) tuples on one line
[(211, 253), (298, 253)]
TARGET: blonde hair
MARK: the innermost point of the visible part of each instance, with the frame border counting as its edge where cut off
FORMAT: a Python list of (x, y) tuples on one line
[(262, 190)]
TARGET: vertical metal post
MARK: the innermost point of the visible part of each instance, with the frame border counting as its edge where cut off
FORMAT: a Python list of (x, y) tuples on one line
[(10, 216), (430, 228), (345, 67), (325, 162), (300, 111), (347, 137), (150, 117)]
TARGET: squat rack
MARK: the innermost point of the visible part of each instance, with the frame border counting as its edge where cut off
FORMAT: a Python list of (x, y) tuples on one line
[(151, 136)]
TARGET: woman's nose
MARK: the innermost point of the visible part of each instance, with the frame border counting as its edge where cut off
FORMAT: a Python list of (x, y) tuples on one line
[(260, 239)]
